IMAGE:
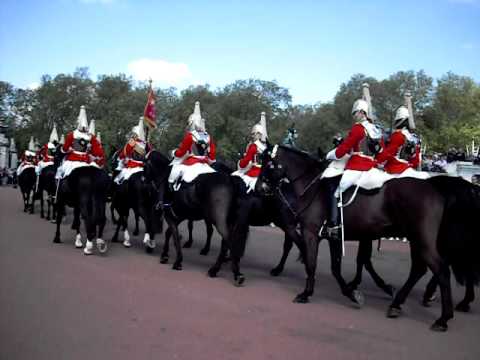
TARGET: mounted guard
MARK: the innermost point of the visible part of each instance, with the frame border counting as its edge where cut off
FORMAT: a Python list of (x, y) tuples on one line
[(47, 151), (29, 157), (81, 148), (132, 157), (195, 153), (401, 156), (250, 166), (362, 143)]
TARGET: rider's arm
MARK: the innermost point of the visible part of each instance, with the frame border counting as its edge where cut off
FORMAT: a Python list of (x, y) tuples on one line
[(356, 134), (184, 146), (415, 159), (97, 151), (68, 143), (212, 151), (248, 157), (396, 141)]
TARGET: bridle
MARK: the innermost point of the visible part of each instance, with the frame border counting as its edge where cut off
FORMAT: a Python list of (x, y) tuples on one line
[(284, 179)]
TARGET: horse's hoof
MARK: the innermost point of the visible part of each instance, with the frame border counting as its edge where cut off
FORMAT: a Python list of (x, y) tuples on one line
[(164, 259), (212, 272), (187, 245), (426, 303), (394, 312), (276, 271), (358, 298), (177, 267), (301, 299), (56, 240), (42, 217), (127, 244), (102, 246), (148, 249), (462, 307), (53, 221), (390, 290), (439, 326), (204, 252), (239, 280), (135, 232)]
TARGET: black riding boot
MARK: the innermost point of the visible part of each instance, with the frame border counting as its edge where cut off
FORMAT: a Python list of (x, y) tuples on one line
[(333, 222)]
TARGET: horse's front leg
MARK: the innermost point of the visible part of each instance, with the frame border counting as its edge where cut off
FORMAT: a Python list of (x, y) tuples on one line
[(287, 246), (311, 252), (173, 225), (166, 246), (60, 210), (464, 305), (32, 201), (40, 195)]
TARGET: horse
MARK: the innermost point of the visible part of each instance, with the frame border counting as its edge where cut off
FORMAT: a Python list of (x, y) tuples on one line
[(46, 182), (460, 223), (405, 207), (85, 190), (27, 180), (209, 197), (134, 193)]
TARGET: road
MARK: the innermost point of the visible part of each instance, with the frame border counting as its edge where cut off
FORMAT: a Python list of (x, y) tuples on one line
[(56, 303)]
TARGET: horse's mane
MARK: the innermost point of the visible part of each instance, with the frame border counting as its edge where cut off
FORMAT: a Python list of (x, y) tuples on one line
[(305, 155), (157, 157)]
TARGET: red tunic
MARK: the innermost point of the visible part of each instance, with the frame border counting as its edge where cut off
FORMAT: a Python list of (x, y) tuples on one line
[(351, 144), (394, 165), (44, 155), (250, 157), (127, 154), (186, 147), (95, 153)]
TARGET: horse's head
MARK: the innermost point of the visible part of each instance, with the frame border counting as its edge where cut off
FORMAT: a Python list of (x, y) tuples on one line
[(273, 171), (281, 163), (156, 171)]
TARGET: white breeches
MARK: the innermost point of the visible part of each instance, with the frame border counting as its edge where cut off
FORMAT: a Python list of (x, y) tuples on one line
[(249, 181), (187, 173), (68, 166), (125, 174), (42, 165)]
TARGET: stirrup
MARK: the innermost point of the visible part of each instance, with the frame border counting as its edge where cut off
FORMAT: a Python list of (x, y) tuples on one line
[(334, 231)]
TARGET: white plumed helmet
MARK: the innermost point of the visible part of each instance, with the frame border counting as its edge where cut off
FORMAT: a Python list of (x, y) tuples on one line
[(261, 127), (91, 127), (360, 105), (139, 130), (195, 120), (82, 122), (53, 135), (401, 115), (31, 144)]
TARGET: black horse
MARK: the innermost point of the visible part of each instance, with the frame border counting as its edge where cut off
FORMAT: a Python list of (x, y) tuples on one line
[(404, 207), (460, 223), (47, 183), (209, 197), (27, 180), (85, 190), (137, 194)]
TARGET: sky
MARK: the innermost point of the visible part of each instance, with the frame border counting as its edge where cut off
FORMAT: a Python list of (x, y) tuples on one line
[(307, 46)]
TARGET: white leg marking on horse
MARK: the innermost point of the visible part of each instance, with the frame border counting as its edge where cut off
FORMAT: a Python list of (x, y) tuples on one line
[(78, 241), (126, 239), (88, 250), (149, 242)]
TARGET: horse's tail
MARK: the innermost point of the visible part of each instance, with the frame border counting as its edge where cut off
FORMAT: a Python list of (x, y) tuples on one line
[(459, 242)]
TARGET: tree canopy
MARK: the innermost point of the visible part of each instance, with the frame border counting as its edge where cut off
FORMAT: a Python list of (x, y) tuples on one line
[(447, 110)]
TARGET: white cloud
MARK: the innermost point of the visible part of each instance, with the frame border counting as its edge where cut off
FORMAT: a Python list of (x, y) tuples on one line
[(33, 86), (160, 71)]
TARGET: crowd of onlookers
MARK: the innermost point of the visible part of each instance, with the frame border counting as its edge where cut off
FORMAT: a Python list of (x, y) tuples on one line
[(437, 162), (8, 176)]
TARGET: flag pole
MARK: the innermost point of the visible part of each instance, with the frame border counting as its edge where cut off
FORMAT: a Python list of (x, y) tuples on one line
[(148, 95)]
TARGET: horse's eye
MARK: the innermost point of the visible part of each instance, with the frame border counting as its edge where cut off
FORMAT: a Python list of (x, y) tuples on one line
[(279, 166)]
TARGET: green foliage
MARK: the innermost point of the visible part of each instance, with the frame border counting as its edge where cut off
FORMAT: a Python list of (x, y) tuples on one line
[(447, 114)]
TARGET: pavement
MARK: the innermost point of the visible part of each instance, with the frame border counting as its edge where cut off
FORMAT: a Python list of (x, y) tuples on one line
[(56, 303)]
